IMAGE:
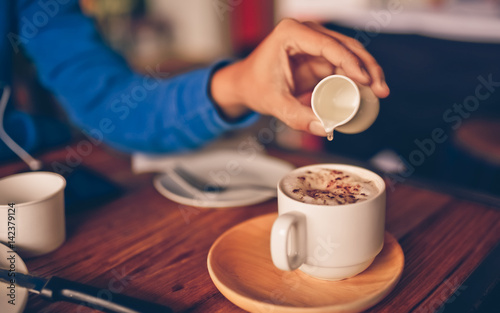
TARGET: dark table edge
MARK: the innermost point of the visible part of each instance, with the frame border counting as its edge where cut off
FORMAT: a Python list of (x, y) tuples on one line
[(479, 292)]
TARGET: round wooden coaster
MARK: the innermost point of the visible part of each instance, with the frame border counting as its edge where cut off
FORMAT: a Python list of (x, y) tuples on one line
[(240, 266)]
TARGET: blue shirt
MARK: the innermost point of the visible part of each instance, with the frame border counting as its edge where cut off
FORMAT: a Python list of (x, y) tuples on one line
[(97, 89)]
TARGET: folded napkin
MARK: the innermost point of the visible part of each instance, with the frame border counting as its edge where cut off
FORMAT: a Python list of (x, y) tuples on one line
[(148, 163)]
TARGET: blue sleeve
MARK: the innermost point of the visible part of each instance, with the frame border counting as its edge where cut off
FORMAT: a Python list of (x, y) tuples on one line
[(105, 98)]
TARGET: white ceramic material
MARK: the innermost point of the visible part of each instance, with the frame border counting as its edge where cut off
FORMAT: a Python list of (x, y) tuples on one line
[(11, 261), (223, 167), (39, 223), (330, 242), (341, 104)]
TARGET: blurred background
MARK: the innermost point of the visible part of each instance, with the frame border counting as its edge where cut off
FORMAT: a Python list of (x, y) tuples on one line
[(441, 59)]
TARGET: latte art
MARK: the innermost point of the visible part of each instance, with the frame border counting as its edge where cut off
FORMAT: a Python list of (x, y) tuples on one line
[(328, 187)]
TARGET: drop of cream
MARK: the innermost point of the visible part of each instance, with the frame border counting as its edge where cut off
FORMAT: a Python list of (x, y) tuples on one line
[(330, 136), (332, 114)]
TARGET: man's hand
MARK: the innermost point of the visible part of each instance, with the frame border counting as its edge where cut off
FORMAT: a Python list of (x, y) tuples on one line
[(278, 77)]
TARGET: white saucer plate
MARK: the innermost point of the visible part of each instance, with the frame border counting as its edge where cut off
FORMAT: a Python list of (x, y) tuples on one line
[(223, 168), (20, 294)]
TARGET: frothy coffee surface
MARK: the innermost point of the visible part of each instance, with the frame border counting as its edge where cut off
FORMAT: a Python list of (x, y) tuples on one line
[(328, 187)]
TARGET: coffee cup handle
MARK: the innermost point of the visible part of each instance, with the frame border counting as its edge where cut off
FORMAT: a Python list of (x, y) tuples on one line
[(288, 241)]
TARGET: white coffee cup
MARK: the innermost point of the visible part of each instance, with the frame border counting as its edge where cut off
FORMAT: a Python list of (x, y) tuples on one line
[(34, 223), (342, 105), (330, 242)]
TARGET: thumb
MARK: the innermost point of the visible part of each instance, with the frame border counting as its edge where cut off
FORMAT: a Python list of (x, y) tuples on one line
[(298, 116)]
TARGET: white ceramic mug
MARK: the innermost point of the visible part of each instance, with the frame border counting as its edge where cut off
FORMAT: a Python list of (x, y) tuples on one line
[(34, 223), (330, 242), (340, 103)]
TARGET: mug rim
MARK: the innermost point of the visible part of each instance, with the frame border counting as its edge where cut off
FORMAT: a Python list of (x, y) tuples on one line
[(324, 81), (334, 166), (41, 199)]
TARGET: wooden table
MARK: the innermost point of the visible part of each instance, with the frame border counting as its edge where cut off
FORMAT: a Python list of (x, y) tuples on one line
[(147, 246)]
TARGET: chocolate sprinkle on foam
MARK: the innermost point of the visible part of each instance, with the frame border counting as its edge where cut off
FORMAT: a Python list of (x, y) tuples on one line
[(328, 187)]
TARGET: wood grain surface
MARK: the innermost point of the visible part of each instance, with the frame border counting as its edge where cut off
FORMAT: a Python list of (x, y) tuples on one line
[(147, 246)]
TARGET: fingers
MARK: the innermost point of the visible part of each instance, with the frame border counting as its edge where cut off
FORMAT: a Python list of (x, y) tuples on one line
[(309, 71), (377, 84), (300, 39), (297, 116)]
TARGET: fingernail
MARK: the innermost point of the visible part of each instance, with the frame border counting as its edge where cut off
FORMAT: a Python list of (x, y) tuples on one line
[(317, 129)]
